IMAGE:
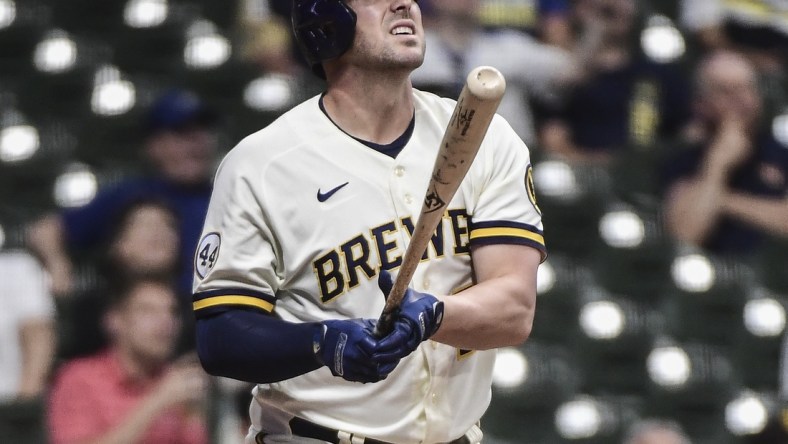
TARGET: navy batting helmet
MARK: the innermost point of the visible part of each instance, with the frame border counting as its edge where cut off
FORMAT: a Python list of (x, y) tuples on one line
[(324, 30)]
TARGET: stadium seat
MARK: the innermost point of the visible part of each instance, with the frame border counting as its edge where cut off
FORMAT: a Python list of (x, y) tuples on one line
[(572, 199), (559, 281), (634, 257), (707, 298), (614, 341)]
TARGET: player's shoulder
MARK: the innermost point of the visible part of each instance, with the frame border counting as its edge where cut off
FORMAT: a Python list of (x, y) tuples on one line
[(278, 137)]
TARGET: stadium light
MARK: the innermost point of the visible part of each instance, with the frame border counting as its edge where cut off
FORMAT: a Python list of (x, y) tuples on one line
[(661, 41), (7, 13), (780, 128), (556, 179), (585, 417), (205, 47), (56, 53), (693, 273), (510, 370), (76, 186), (746, 415), (669, 367), (545, 277), (602, 320), (622, 229), (112, 95), (764, 317), (18, 143), (145, 13), (271, 92), (578, 419)]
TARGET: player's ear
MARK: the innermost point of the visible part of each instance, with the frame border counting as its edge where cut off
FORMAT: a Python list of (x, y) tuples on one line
[(385, 283)]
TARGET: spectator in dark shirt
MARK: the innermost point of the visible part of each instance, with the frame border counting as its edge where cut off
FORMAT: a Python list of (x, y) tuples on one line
[(181, 147), (625, 99), (731, 188)]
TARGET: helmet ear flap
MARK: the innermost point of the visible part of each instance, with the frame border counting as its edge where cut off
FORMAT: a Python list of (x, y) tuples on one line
[(324, 30)]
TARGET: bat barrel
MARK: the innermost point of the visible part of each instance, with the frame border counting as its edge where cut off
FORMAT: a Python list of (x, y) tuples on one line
[(486, 83)]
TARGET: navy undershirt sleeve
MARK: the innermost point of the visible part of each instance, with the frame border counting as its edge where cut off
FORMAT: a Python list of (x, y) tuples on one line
[(254, 347)]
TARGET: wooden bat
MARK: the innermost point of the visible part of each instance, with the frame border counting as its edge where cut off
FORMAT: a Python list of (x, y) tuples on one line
[(476, 106)]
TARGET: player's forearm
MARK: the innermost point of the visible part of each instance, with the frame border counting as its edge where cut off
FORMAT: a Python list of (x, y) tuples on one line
[(494, 313), (38, 349), (253, 347), (770, 214)]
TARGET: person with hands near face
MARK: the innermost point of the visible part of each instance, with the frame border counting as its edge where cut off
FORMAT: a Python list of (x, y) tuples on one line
[(731, 189)]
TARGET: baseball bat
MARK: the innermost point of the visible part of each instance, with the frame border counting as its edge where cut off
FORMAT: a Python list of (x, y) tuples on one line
[(475, 108)]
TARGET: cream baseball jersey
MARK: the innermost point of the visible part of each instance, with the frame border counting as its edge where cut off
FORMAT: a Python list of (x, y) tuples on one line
[(303, 217)]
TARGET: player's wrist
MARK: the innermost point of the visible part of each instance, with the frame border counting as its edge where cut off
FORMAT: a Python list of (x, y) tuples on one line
[(318, 340)]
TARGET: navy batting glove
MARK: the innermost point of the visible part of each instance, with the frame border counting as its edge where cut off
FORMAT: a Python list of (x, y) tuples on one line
[(421, 311), (401, 342), (346, 347)]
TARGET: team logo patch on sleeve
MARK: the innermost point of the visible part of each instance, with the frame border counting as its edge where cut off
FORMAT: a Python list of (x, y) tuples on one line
[(529, 187), (207, 254)]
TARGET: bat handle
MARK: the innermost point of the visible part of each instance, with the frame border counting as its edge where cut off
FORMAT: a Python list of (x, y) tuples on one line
[(385, 324)]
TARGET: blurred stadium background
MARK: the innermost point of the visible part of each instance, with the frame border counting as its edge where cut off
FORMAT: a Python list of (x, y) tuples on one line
[(629, 324)]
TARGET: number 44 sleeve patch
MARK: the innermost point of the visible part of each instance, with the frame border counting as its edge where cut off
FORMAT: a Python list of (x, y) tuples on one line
[(207, 254)]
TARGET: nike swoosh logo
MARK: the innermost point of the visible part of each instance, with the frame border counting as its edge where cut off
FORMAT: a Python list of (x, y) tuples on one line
[(322, 197)]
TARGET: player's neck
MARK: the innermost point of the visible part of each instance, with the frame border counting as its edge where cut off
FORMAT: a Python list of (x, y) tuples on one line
[(376, 111)]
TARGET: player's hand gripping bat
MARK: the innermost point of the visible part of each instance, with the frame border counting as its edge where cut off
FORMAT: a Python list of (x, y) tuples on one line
[(472, 115)]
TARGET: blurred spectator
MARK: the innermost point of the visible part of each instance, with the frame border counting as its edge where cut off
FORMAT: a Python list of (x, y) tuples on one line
[(757, 25), (267, 39), (27, 347), (144, 244), (655, 432), (625, 100), (547, 20), (457, 43), (730, 188), (130, 392), (757, 28), (181, 146)]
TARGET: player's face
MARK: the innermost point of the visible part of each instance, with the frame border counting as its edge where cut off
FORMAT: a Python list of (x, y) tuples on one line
[(389, 35)]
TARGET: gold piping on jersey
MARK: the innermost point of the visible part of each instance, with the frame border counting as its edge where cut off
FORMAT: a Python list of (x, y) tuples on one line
[(507, 231), (233, 300)]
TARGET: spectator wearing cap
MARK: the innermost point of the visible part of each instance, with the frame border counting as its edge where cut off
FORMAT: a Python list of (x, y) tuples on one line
[(181, 148)]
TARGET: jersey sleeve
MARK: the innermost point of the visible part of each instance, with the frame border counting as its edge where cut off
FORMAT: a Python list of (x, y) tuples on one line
[(235, 262), (505, 210)]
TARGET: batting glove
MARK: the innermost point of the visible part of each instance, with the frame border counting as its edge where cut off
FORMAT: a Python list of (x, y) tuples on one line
[(418, 318), (346, 347)]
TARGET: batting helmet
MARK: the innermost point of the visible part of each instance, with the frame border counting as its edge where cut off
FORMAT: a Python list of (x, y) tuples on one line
[(324, 30)]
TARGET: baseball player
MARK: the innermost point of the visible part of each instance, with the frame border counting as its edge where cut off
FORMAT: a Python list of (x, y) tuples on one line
[(311, 216)]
